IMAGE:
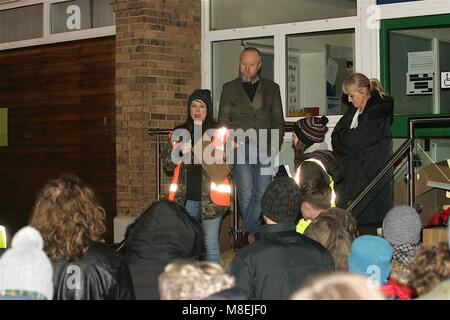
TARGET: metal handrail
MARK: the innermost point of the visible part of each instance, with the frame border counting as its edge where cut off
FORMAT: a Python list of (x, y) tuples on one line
[(400, 153), (158, 132), (408, 145)]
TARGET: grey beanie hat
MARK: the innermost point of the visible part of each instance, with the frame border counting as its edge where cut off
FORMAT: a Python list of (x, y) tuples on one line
[(402, 225)]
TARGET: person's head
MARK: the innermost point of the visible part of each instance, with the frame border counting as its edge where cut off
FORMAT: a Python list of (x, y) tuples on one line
[(335, 229), (199, 109), (250, 64), (338, 286), (402, 225), (430, 266), (200, 105), (25, 269), (357, 87), (371, 256), (188, 280), (316, 197), (166, 227), (68, 216), (307, 131), (280, 202)]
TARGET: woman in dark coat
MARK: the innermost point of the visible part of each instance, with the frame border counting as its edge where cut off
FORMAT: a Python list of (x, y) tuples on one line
[(363, 139)]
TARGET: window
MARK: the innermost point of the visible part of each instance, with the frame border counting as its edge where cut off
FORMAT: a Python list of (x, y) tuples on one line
[(228, 14), (417, 57), (317, 64), (226, 62), (81, 14), (21, 23)]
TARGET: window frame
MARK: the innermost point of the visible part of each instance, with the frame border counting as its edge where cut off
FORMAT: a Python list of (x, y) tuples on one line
[(367, 38), (48, 37)]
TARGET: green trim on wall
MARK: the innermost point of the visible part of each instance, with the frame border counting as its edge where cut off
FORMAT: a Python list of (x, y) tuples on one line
[(400, 124), (400, 128)]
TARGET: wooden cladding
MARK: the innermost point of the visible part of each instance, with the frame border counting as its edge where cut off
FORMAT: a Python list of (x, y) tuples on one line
[(61, 120)]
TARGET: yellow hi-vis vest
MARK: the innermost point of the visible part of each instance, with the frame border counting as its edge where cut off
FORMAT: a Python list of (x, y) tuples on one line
[(2, 237), (220, 193)]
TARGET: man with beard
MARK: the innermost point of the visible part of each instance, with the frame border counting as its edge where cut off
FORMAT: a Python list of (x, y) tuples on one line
[(252, 104)]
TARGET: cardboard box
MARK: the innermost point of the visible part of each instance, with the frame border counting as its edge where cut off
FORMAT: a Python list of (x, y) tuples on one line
[(434, 235), (430, 198)]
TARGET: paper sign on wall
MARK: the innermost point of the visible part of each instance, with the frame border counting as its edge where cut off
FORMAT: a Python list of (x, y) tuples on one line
[(421, 62), (420, 75), (419, 83)]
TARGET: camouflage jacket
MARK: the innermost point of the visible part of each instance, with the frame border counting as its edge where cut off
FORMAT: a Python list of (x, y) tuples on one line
[(210, 210)]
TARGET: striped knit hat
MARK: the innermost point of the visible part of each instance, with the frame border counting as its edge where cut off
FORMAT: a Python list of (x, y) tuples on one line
[(311, 130)]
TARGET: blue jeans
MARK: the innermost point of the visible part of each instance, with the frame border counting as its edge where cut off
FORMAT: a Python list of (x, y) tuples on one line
[(211, 228), (250, 187)]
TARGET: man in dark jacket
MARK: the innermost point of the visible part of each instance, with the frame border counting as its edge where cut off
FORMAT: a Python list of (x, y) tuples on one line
[(280, 262)]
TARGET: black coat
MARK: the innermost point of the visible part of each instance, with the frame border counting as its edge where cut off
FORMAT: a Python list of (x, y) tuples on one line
[(163, 233), (279, 263), (364, 151), (101, 274)]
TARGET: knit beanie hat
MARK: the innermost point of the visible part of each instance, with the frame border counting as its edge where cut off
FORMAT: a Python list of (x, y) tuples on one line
[(311, 130), (402, 225), (203, 95), (25, 266), (281, 200), (370, 254)]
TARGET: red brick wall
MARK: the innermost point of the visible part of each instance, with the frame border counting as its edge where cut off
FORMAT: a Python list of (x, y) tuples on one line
[(157, 66)]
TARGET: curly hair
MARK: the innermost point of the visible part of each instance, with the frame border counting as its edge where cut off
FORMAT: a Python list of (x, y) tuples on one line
[(193, 280), (430, 266), (68, 216)]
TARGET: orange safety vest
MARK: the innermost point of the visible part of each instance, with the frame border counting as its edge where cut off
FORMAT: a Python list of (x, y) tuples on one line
[(220, 194)]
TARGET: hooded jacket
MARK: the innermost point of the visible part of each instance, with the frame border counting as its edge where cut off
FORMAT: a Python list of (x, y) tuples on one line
[(162, 234)]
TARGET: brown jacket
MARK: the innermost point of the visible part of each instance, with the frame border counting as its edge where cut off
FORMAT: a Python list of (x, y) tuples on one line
[(265, 112)]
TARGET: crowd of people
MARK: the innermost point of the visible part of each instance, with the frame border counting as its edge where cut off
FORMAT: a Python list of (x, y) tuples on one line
[(296, 239)]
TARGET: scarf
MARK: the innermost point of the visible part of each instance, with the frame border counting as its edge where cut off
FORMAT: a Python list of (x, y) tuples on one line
[(405, 252)]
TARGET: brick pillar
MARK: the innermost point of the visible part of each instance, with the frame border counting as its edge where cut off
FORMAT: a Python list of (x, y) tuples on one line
[(157, 67)]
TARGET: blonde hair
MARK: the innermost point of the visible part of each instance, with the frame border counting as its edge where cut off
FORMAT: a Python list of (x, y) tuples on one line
[(187, 280), (338, 286), (68, 217), (359, 82)]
